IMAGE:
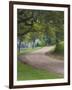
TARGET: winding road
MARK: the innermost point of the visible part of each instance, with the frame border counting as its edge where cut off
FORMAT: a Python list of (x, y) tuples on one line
[(38, 59)]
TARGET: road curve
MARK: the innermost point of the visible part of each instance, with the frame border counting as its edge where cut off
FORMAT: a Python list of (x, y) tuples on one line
[(38, 59)]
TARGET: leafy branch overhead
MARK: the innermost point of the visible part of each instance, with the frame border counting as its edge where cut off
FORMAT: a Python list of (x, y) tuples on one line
[(46, 24), (38, 20)]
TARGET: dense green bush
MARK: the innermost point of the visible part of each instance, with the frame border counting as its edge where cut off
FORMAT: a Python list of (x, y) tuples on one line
[(60, 48)]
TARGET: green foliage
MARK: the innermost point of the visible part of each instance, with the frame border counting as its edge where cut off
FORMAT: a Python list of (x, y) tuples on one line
[(60, 48), (36, 24), (27, 72)]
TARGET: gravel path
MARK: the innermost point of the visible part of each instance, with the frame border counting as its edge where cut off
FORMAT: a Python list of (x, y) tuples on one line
[(38, 59)]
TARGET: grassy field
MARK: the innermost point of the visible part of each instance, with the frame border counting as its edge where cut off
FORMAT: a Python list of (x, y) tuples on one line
[(27, 72), (28, 50)]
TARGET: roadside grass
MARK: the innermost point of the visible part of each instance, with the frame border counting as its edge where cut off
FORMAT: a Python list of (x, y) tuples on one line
[(27, 72), (28, 50)]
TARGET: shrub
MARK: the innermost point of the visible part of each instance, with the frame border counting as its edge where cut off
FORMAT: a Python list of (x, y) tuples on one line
[(60, 48)]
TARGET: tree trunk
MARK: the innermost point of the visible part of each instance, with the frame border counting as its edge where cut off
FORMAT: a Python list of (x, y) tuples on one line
[(57, 39), (33, 43), (19, 45)]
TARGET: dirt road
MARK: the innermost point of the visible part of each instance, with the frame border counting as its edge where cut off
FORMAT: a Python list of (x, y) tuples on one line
[(38, 59), (44, 50)]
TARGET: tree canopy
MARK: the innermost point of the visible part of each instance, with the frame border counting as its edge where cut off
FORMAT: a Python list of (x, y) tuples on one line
[(42, 24)]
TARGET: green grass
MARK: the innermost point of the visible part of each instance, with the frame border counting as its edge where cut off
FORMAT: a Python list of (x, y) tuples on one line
[(60, 48), (27, 72), (28, 50)]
